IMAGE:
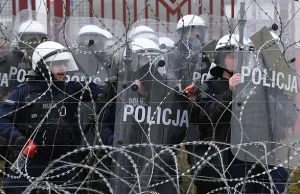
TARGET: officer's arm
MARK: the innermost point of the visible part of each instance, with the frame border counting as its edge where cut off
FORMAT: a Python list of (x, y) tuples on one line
[(214, 106), (85, 94), (8, 114), (107, 124), (94, 90)]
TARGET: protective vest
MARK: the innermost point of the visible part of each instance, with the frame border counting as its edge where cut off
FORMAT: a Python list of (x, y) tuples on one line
[(44, 121)]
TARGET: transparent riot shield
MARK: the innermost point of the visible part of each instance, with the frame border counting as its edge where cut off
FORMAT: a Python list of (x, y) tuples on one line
[(264, 104), (28, 30), (218, 26), (6, 31), (96, 45), (150, 117), (151, 29), (194, 56)]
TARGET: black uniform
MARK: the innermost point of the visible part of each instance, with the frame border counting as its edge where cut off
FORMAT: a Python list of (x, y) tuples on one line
[(215, 125), (136, 123), (49, 118)]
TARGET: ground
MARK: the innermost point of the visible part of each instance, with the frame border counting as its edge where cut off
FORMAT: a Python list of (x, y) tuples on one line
[(183, 165)]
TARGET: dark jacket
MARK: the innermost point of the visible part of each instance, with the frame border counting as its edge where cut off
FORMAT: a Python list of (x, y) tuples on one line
[(18, 116), (213, 117)]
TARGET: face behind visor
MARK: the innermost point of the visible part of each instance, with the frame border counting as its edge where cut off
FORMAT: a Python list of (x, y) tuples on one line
[(31, 34), (192, 27), (144, 52)]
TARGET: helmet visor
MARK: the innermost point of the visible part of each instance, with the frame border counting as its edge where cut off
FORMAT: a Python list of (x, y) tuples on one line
[(94, 42), (63, 58), (29, 42), (141, 59)]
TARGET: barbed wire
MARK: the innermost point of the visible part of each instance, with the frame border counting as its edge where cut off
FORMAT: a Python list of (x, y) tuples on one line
[(152, 109)]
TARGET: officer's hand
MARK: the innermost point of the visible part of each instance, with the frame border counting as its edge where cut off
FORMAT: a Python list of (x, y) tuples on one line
[(16, 147), (109, 89), (234, 81), (141, 88), (192, 91)]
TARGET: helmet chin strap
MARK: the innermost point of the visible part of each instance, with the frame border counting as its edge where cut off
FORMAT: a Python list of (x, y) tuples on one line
[(230, 73)]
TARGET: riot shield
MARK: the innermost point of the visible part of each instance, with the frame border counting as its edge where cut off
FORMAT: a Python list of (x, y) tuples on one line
[(95, 44), (28, 30), (218, 26), (193, 59), (151, 29), (6, 31), (264, 105), (149, 119)]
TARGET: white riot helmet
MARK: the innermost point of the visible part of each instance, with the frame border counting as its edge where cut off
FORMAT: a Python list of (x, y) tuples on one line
[(144, 32), (192, 24), (51, 53), (143, 51), (166, 44), (31, 27), (92, 37), (228, 44), (109, 36), (31, 34)]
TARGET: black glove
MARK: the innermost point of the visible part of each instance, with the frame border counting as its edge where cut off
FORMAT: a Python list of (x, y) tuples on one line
[(109, 90), (16, 147)]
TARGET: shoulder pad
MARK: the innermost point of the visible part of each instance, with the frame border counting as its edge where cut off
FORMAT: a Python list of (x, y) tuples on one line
[(21, 85)]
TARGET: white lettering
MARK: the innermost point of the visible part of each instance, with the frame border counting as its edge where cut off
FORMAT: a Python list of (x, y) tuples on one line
[(128, 110), (258, 76), (196, 76), (4, 80), (294, 87), (158, 115), (149, 115), (176, 122), (139, 114), (204, 76), (282, 81), (164, 116), (136, 101), (12, 71), (184, 119), (288, 85), (273, 79), (265, 79), (279, 74), (75, 78), (47, 106), (68, 78), (136, 114), (244, 73), (21, 75)]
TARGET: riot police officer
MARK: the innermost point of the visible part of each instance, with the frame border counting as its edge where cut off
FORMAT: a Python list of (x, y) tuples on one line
[(191, 27), (17, 62), (147, 91), (215, 117), (188, 55), (44, 110), (92, 38)]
